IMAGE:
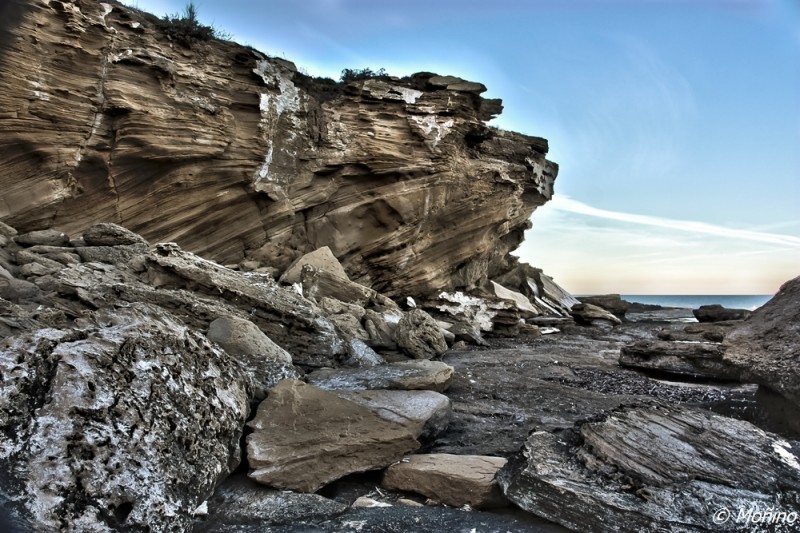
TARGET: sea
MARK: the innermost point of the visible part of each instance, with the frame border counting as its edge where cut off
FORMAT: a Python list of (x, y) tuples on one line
[(693, 301)]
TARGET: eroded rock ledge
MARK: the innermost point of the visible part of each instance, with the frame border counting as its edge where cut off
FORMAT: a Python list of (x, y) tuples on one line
[(234, 155)]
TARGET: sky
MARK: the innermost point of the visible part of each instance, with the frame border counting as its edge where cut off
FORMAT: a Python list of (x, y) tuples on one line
[(675, 123)]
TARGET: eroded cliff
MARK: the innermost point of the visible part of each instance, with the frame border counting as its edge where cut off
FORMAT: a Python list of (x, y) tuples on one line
[(237, 156)]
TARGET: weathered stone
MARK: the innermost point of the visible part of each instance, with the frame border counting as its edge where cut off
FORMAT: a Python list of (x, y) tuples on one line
[(519, 300), (405, 375), (111, 254), (240, 337), (106, 234), (455, 480), (18, 290), (47, 237), (381, 329), (613, 303), (39, 268), (468, 334), (436, 202), (318, 284), (718, 313), (766, 346), (426, 413), (705, 332), (419, 336), (126, 424), (692, 359), (303, 438), (321, 259), (551, 293), (653, 468), (239, 501), (593, 315)]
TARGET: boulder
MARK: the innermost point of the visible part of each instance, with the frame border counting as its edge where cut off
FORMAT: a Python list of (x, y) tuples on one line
[(419, 336), (455, 480), (690, 359), (107, 234), (126, 424), (18, 290), (46, 237), (653, 468), (426, 413), (718, 313), (613, 303), (304, 437), (123, 253), (321, 259), (404, 375), (593, 315), (240, 337), (766, 346), (318, 284), (452, 83), (519, 300)]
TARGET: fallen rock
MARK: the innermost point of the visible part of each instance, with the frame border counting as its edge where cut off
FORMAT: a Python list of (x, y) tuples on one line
[(653, 468), (613, 303), (718, 313), (46, 237), (468, 334), (766, 346), (304, 437), (704, 332), (240, 501), (519, 300), (593, 315), (240, 337), (111, 254), (455, 480), (107, 234), (18, 290), (321, 259), (419, 336), (404, 375), (425, 413), (127, 423), (692, 359)]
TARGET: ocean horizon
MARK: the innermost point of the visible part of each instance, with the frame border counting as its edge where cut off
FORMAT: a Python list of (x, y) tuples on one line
[(693, 301)]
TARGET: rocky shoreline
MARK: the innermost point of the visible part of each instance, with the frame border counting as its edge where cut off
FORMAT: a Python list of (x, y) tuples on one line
[(234, 297), (141, 383)]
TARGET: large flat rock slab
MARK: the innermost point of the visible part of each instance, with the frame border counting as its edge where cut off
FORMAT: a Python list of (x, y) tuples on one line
[(455, 480), (654, 468), (305, 437), (426, 413), (404, 375)]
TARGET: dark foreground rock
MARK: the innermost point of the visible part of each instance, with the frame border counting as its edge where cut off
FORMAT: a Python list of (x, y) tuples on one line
[(718, 313), (654, 468), (766, 346), (688, 359), (125, 423)]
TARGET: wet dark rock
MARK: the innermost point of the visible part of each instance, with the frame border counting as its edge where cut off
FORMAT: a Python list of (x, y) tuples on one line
[(718, 313), (239, 501), (682, 358), (651, 468)]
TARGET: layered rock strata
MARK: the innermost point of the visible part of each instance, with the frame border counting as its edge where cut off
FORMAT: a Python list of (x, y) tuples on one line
[(234, 155)]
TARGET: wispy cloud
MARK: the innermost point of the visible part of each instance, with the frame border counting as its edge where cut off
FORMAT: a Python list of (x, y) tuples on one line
[(563, 203)]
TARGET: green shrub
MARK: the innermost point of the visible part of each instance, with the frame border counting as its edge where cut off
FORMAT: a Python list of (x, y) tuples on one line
[(350, 74), (187, 29)]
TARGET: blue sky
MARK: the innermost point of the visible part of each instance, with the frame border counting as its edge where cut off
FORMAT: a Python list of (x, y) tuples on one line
[(676, 123)]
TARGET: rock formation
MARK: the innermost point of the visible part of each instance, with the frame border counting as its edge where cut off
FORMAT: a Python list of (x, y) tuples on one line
[(766, 346), (237, 156)]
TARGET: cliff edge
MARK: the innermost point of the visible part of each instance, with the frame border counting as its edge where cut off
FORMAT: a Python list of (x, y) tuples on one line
[(239, 157)]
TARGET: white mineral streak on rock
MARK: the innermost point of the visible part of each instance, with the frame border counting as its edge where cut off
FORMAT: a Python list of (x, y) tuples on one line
[(435, 130), (782, 448), (409, 95), (469, 306)]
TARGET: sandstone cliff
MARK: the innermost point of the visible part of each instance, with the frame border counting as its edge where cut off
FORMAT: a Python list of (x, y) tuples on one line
[(237, 156)]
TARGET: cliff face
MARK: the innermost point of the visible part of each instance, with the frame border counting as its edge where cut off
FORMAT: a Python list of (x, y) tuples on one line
[(237, 156)]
